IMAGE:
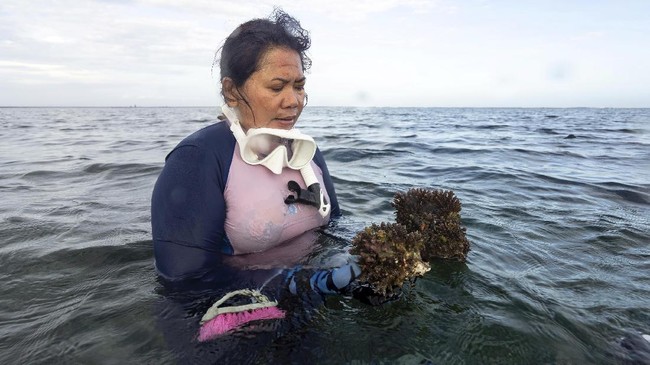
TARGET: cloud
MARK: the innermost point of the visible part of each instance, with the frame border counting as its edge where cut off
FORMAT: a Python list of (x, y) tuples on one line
[(102, 42), (359, 10), (393, 52), (38, 73)]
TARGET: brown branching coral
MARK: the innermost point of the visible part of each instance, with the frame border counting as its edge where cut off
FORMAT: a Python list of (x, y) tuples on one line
[(436, 215), (388, 256), (428, 226)]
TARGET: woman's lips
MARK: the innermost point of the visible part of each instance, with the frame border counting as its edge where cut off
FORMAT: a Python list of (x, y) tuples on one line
[(286, 121)]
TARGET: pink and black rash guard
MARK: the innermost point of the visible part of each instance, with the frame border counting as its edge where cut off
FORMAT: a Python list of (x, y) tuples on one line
[(207, 203), (257, 218)]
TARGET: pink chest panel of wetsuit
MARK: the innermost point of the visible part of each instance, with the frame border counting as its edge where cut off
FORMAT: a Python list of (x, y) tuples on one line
[(257, 218)]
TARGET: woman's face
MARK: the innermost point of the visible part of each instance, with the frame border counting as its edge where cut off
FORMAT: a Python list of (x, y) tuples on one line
[(275, 92)]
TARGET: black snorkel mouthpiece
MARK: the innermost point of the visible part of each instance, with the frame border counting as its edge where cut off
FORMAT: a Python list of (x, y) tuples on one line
[(313, 196)]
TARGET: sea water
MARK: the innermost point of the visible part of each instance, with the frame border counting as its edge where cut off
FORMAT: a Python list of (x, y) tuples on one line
[(556, 203)]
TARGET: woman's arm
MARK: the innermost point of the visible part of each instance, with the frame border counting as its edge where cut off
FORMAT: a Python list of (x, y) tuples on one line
[(187, 205)]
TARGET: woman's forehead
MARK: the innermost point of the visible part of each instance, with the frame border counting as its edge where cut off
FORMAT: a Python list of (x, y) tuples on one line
[(281, 60)]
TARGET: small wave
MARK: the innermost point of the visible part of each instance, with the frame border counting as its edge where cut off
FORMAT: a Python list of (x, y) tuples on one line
[(629, 193), (633, 196), (491, 126), (127, 143), (15, 187), (408, 136), (557, 180), (128, 168), (46, 174), (349, 155), (404, 146), (199, 120), (546, 131), (546, 154), (369, 186), (456, 150), (624, 130)]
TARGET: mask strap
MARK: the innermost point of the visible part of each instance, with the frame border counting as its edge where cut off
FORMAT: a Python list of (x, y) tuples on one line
[(235, 126), (230, 113)]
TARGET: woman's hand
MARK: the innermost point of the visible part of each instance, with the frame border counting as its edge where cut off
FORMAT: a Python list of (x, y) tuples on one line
[(342, 280)]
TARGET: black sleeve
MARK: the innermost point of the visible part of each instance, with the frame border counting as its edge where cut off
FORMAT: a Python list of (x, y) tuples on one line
[(188, 213), (329, 185)]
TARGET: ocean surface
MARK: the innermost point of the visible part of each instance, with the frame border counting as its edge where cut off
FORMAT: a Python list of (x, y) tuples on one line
[(558, 272)]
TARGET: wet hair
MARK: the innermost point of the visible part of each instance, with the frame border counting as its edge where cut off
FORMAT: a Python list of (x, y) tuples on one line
[(243, 50)]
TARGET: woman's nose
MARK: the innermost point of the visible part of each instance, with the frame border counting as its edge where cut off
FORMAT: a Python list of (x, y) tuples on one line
[(292, 99)]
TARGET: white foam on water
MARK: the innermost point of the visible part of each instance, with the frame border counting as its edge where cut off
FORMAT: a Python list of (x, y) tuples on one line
[(646, 337)]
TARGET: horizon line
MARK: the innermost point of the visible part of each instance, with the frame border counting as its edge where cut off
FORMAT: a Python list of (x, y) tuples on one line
[(330, 106)]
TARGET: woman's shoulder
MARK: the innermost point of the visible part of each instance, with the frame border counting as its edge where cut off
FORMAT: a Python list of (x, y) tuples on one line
[(215, 138), (207, 136)]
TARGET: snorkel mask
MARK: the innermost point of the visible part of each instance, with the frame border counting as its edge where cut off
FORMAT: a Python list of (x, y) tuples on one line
[(279, 148), (271, 147)]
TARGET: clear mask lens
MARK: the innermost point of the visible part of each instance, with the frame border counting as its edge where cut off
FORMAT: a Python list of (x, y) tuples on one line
[(263, 144), (277, 148), (273, 148)]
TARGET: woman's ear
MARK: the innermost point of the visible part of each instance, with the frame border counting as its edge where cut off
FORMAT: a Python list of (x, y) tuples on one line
[(230, 92)]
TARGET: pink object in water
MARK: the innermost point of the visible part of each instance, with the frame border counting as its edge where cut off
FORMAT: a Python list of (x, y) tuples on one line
[(225, 322)]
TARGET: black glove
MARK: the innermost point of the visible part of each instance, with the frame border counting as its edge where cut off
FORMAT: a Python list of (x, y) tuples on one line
[(327, 281), (340, 280), (365, 293)]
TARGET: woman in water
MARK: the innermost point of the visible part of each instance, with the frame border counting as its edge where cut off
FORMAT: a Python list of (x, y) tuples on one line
[(250, 190)]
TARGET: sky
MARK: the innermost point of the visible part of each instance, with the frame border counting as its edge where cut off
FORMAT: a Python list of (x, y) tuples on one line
[(397, 53)]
